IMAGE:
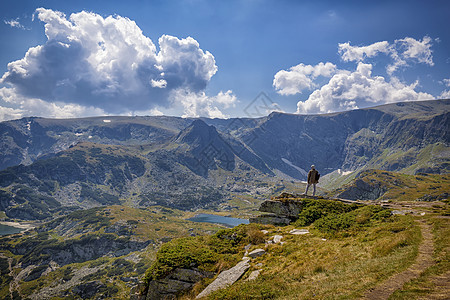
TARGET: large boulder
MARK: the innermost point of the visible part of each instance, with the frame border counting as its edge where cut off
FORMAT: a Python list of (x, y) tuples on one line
[(169, 287)]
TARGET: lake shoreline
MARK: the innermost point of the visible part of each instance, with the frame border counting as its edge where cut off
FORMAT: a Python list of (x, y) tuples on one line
[(23, 226)]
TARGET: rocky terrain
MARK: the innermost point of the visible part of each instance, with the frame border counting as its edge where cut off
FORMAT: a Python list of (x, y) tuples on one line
[(188, 164), (109, 197)]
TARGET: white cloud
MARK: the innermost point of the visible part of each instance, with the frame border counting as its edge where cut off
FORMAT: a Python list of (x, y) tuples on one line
[(8, 113), (355, 53), (14, 23), (416, 49), (300, 77), (401, 51), (108, 64), (196, 104), (410, 50), (445, 93), (351, 90), (25, 107), (227, 99), (158, 83)]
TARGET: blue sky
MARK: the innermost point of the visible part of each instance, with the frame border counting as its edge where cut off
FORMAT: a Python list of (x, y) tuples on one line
[(213, 58)]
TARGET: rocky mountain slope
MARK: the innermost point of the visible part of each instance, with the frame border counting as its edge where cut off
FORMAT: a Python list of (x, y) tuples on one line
[(391, 137), (385, 186), (141, 161), (98, 252), (174, 174)]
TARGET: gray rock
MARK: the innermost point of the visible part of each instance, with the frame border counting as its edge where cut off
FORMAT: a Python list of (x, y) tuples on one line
[(178, 281), (361, 190), (189, 275), (287, 208), (277, 238), (88, 289), (253, 275), (257, 253), (299, 231), (271, 219), (226, 278)]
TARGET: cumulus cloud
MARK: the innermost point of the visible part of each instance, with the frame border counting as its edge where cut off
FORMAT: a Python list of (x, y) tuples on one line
[(198, 104), (445, 93), (25, 106), (410, 50), (108, 64), (355, 53), (300, 77), (401, 51), (351, 90), (357, 88)]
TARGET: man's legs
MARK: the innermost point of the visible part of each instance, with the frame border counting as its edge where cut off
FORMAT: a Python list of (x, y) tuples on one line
[(307, 187), (314, 191)]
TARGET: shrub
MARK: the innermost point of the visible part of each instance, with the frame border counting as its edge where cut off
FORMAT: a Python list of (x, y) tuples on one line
[(227, 240), (255, 236), (352, 220), (180, 253), (316, 209)]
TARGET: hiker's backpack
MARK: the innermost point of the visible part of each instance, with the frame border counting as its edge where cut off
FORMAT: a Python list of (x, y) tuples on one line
[(317, 176)]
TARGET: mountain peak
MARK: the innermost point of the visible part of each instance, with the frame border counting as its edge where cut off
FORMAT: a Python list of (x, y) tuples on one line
[(208, 149), (198, 133)]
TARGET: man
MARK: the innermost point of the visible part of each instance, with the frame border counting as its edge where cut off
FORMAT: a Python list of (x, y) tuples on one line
[(312, 179)]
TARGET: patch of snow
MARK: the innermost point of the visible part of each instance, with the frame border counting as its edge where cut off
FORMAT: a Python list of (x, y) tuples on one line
[(78, 134), (106, 121), (303, 172), (344, 173), (90, 137), (29, 126)]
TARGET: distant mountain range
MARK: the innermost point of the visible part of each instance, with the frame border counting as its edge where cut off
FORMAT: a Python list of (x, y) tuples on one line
[(54, 165)]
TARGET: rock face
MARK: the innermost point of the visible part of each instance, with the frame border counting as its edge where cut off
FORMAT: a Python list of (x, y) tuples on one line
[(178, 281), (256, 253), (64, 164), (75, 250), (362, 190), (226, 278), (282, 212)]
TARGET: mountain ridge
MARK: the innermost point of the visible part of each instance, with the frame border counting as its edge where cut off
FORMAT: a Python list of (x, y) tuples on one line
[(189, 164)]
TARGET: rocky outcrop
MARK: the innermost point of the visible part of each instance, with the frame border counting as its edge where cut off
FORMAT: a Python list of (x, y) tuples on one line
[(179, 281), (281, 212), (362, 190), (70, 251), (226, 278)]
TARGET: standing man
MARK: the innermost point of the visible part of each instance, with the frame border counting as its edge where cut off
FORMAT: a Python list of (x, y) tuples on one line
[(313, 178)]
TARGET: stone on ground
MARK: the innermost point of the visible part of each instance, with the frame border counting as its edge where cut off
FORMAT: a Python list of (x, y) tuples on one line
[(299, 231), (256, 253), (226, 278)]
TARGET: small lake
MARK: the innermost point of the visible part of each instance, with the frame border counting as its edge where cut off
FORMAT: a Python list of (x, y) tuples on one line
[(215, 219), (5, 229)]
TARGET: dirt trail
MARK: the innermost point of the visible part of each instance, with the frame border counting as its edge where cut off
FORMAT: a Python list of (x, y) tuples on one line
[(423, 261)]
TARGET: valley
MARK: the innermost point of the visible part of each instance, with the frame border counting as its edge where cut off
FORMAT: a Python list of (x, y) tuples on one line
[(110, 197)]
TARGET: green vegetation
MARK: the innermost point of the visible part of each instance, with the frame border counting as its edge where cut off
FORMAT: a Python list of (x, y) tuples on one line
[(403, 187), (84, 232), (376, 246), (316, 209), (208, 253), (430, 281), (363, 245)]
